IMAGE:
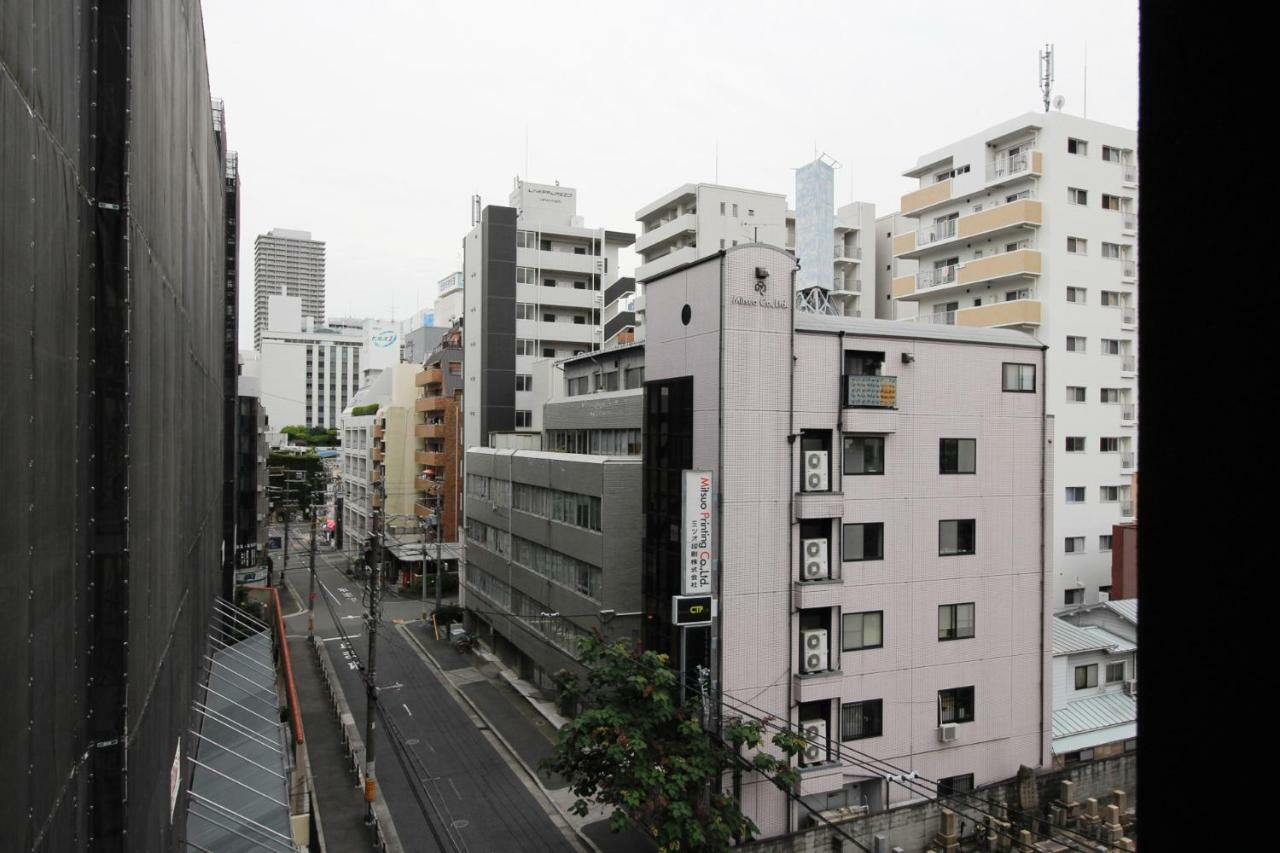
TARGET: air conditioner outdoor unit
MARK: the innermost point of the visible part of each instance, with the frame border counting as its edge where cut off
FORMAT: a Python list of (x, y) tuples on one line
[(814, 731), (814, 559), (816, 471), (1131, 687), (947, 732), (813, 651)]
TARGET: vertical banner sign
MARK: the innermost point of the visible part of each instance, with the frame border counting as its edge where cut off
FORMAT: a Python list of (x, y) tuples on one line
[(696, 511)]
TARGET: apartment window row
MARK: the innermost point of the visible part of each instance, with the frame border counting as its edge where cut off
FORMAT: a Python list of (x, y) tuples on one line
[(864, 541), (558, 568), (1111, 251), (1106, 494), (864, 455), (1079, 394), (1080, 147), (865, 719), (560, 631), (492, 489), (489, 586), (862, 631), (1086, 675), (597, 442), (565, 507)]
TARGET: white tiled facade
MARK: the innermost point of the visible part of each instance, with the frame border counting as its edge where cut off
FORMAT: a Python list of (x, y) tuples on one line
[(952, 388), (1042, 229)]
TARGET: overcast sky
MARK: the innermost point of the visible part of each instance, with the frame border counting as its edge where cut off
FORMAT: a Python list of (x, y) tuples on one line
[(371, 124)]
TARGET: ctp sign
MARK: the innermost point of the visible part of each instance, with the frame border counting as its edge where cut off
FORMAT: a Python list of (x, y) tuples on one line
[(696, 514)]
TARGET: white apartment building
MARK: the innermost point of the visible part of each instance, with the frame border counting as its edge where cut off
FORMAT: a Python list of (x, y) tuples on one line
[(853, 257), (288, 263), (888, 268), (877, 531), (1032, 224), (561, 269)]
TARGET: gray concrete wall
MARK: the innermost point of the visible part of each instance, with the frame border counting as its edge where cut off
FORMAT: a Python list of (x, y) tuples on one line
[(609, 410)]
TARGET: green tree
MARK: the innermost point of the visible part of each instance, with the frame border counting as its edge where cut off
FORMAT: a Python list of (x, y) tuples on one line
[(635, 747), (295, 478)]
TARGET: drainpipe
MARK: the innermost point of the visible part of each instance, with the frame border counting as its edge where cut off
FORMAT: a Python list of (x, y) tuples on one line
[(791, 522), (1043, 560)]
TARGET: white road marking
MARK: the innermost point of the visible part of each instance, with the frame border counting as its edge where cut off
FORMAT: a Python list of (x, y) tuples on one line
[(331, 595), (331, 639), (459, 796), (406, 709)]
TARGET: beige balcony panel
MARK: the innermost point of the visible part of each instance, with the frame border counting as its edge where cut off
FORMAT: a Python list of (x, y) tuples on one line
[(428, 431), (904, 243), (1015, 213), (1021, 262), (926, 197), (1017, 312), (1037, 162), (903, 286)]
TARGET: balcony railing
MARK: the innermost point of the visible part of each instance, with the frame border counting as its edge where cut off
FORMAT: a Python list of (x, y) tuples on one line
[(936, 277), (1130, 268), (1130, 221), (841, 252), (1126, 461), (1130, 173), (1004, 167), (1128, 412), (870, 392), (1128, 315), (1128, 363), (935, 232), (939, 318), (1126, 509)]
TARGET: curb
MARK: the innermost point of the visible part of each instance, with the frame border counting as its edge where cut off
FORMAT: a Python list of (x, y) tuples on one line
[(577, 831)]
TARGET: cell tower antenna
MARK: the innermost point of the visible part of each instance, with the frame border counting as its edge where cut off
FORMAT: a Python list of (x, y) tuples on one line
[(1046, 74)]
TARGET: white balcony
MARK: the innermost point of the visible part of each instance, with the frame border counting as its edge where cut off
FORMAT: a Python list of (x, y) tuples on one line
[(1128, 316), (1126, 509), (1127, 461), (660, 265), (1128, 364), (666, 232), (1128, 412), (1020, 165), (558, 297), (1129, 269), (553, 262)]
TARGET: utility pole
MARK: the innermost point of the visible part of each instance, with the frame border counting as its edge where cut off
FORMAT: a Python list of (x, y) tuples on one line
[(439, 528), (311, 599), (371, 683), (288, 512), (422, 522)]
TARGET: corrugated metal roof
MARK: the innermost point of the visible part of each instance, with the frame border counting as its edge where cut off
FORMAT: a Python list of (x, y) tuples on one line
[(1125, 608), (1115, 642), (1070, 639), (1095, 713)]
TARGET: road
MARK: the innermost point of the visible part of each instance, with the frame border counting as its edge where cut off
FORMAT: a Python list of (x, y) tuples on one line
[(451, 785)]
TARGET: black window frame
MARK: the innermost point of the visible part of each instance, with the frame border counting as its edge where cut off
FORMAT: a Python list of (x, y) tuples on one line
[(955, 621), (942, 456), (973, 537), (952, 786), (844, 634), (958, 695), (845, 454), (1004, 375), (843, 535), (1083, 443), (872, 714), (1086, 667)]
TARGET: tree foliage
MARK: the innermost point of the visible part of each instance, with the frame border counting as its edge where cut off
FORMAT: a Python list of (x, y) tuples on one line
[(635, 747), (315, 436)]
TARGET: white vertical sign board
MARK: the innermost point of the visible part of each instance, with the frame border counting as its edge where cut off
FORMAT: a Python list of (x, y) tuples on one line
[(175, 778), (697, 501)]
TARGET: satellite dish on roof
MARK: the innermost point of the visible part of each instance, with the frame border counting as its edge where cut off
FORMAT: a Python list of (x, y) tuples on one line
[(1058, 101)]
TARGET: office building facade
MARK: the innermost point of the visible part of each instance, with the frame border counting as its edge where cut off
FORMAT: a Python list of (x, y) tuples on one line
[(1032, 224), (878, 550), (287, 263)]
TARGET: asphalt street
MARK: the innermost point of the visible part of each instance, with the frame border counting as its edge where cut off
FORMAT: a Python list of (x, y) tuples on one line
[(449, 783)]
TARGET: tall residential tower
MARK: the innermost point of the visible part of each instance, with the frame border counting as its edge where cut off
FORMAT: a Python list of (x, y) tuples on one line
[(287, 263)]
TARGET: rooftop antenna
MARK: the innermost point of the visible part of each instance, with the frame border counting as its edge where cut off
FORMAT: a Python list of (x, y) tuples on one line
[(1046, 73)]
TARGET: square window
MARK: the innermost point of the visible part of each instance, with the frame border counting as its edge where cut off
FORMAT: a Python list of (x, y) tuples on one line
[(1115, 672), (1104, 544), (1077, 246), (862, 630), (1075, 444), (1074, 545), (1074, 596), (1077, 196), (1075, 343), (548, 352), (1111, 250), (1078, 146), (958, 455), (1110, 346), (1109, 445), (1075, 494), (1110, 202), (951, 786), (1019, 377), (1086, 676), (548, 318), (863, 454), (1076, 295), (956, 621), (956, 536), (863, 542), (860, 720), (1075, 394), (1110, 154), (1111, 395), (1111, 298), (1109, 494), (548, 282), (955, 705)]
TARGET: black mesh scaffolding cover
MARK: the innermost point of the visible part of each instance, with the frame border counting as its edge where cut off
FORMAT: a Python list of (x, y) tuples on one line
[(111, 305)]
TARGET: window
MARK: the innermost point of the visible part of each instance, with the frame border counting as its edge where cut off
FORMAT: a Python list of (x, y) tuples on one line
[(1104, 593), (1110, 202), (1078, 146), (750, 212), (525, 311), (1111, 155), (863, 631), (955, 621), (1115, 672), (1104, 544), (1075, 343), (863, 454), (579, 285), (860, 720), (1076, 196), (579, 250), (1010, 295), (633, 377), (1111, 250), (526, 240), (956, 536), (1074, 596), (526, 275), (525, 346), (579, 320), (1109, 494), (1019, 377), (950, 786), (1075, 394), (548, 282), (863, 542), (1077, 246), (524, 382), (548, 352), (1075, 494), (1075, 444), (1111, 298), (1111, 395), (722, 208), (1076, 295), (955, 705), (1109, 445), (1086, 676), (578, 386), (958, 456), (1110, 346), (1074, 545)]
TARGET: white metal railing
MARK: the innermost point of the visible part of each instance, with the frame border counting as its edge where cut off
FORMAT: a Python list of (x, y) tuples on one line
[(940, 318), (1003, 167), (1126, 509), (1128, 412), (1126, 460), (1130, 221), (1128, 364), (936, 231), (936, 277), (1130, 173), (1130, 268), (840, 251), (1128, 315)]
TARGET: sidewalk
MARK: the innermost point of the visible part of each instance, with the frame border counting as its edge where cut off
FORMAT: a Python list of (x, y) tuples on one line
[(527, 724), (340, 800)]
